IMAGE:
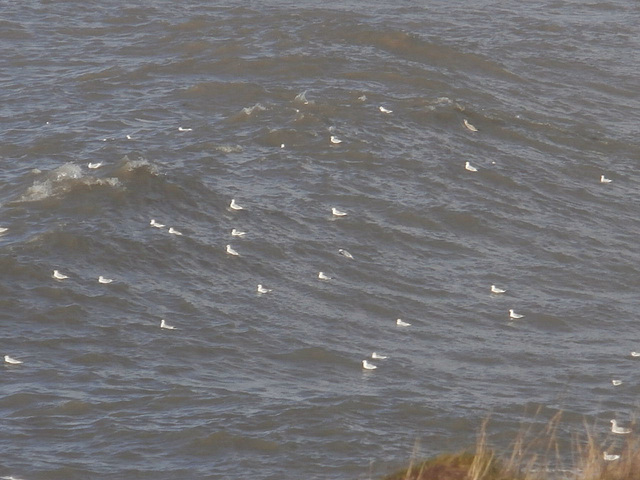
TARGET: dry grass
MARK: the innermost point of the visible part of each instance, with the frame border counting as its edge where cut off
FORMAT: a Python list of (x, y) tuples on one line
[(534, 455)]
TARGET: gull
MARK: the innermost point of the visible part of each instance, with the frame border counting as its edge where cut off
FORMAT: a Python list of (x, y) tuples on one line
[(335, 140), (385, 110), (604, 179), (619, 430), (470, 167), (368, 366), (635, 354), (94, 165), (282, 145), (12, 361), (102, 279), (377, 356), (402, 323), (616, 382), (362, 98), (231, 251), (322, 276), (495, 289), (3, 229), (153, 223), (165, 325), (469, 126), (237, 233), (183, 129), (234, 206), (344, 253), (129, 137), (59, 276), (610, 458), (262, 289), (513, 315), (174, 231), (338, 213)]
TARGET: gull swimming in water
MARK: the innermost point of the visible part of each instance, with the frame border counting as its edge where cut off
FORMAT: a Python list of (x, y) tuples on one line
[(402, 323), (153, 223), (338, 213), (234, 206), (514, 316), (609, 458), (102, 279), (237, 233), (616, 382), (93, 166), (344, 253), (617, 429), (385, 110), (495, 289), (12, 361), (635, 354), (368, 366), (377, 356), (183, 129), (3, 229), (231, 251), (469, 126), (174, 231), (335, 140), (362, 98), (470, 167), (59, 276), (166, 326), (604, 179), (322, 276), (262, 289)]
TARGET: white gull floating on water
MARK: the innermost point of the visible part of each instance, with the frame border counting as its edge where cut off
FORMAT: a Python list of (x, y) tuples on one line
[(237, 233), (609, 457), (153, 223), (231, 251), (11, 360), (3, 229), (183, 129), (174, 231), (497, 290), (344, 253), (377, 356), (166, 326), (335, 140), (635, 354), (262, 289), (615, 428), (616, 382), (604, 179), (322, 276), (470, 167), (59, 276), (368, 366), (102, 279), (384, 110), (234, 206), (402, 323), (93, 166), (338, 213), (513, 315)]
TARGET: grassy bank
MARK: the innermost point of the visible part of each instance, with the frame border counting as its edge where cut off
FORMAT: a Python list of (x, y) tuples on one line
[(535, 457)]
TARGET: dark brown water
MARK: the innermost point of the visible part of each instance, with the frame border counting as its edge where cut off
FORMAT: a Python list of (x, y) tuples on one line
[(187, 105)]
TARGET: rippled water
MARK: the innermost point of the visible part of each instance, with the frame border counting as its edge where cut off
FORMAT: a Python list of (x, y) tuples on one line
[(188, 105)]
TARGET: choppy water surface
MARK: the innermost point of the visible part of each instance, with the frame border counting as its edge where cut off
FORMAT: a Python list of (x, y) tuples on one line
[(186, 105)]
